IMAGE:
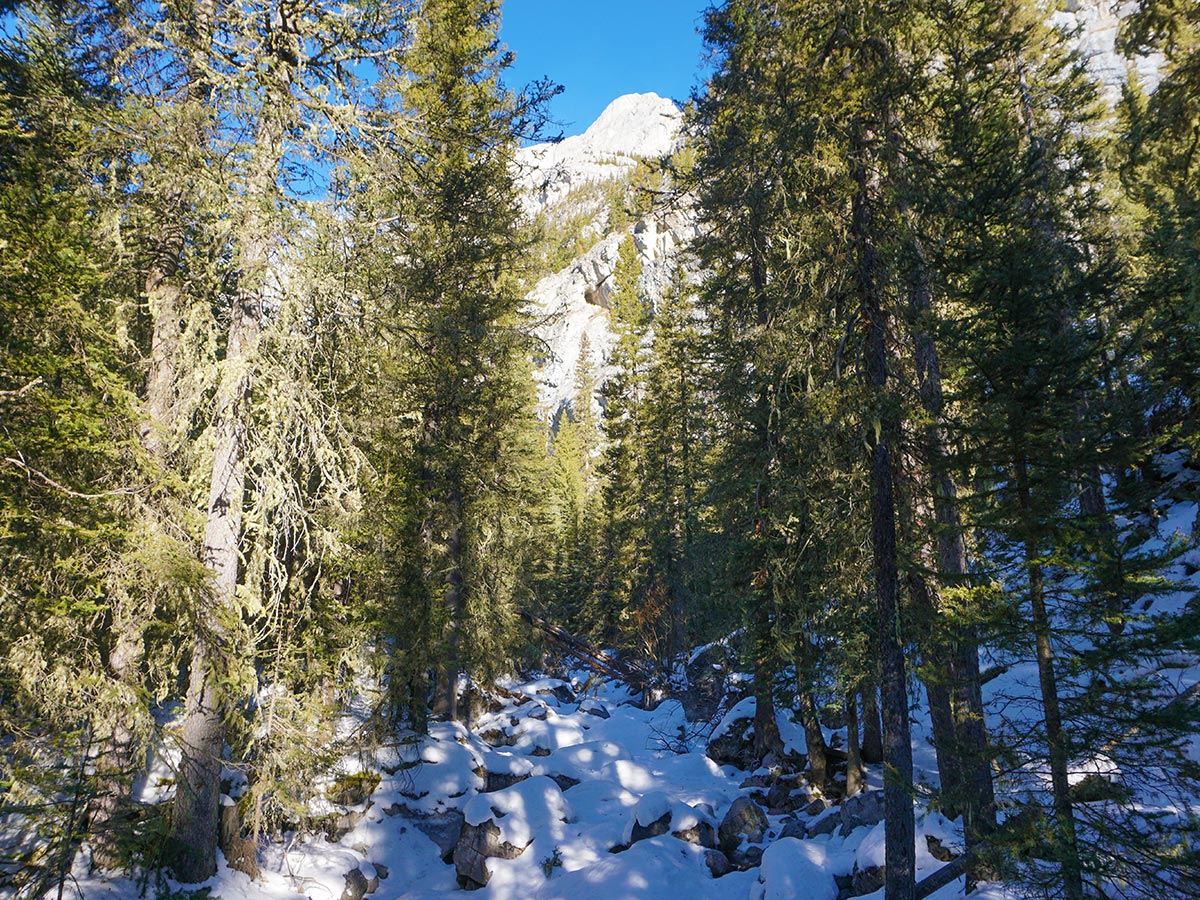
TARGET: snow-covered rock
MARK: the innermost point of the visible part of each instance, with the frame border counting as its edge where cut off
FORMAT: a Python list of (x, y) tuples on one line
[(503, 824), (793, 868)]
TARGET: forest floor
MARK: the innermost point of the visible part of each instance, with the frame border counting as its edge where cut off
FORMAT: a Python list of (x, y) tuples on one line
[(633, 766), (573, 778)]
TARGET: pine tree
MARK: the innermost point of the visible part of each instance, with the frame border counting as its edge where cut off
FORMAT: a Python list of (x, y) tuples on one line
[(1161, 177), (83, 557), (1029, 264), (454, 308), (624, 577), (673, 426)]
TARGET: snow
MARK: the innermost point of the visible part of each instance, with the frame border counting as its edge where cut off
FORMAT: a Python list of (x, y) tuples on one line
[(635, 126), (661, 868), (528, 808), (794, 868)]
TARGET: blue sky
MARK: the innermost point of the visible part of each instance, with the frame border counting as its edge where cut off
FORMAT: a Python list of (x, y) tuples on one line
[(600, 49)]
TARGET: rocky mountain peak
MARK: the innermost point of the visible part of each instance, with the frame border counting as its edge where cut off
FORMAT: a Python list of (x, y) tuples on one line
[(639, 125), (632, 127)]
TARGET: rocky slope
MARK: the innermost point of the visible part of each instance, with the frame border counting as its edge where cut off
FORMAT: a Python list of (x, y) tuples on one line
[(575, 184)]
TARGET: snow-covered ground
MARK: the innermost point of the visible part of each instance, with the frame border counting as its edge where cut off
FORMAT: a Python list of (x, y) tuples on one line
[(591, 769)]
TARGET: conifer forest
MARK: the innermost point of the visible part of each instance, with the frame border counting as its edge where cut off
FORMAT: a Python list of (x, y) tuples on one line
[(790, 491)]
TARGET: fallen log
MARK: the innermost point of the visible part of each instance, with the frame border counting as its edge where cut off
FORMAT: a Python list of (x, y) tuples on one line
[(632, 674), (952, 871)]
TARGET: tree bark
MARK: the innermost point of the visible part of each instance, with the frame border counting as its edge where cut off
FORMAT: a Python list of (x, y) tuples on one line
[(959, 650), (872, 725), (446, 703), (766, 727), (116, 764), (814, 738)]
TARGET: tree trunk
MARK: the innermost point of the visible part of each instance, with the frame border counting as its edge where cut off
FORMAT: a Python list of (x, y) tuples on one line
[(872, 725), (446, 702), (960, 648), (936, 678), (194, 821), (900, 851), (195, 817), (814, 738), (766, 728), (1064, 812), (116, 764), (854, 766)]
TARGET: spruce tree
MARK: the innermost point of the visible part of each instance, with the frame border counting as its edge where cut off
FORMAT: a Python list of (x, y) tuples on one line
[(452, 305)]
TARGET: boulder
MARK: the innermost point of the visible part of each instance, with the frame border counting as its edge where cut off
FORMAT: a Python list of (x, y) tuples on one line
[(718, 863), (362, 880), (866, 881), (938, 850), (702, 834), (827, 825), (352, 790), (657, 814), (356, 885), (594, 708), (500, 771), (444, 829), (732, 741), (747, 857), (793, 828), (497, 737), (784, 796), (744, 821), (565, 782), (859, 810), (502, 825), (659, 826), (476, 845), (476, 702), (561, 692)]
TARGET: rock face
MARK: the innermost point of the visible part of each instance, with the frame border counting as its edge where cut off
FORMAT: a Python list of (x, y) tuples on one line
[(633, 127), (568, 181), (1093, 25)]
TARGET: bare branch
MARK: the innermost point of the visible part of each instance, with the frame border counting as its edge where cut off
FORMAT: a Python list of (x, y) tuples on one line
[(41, 476), (21, 390)]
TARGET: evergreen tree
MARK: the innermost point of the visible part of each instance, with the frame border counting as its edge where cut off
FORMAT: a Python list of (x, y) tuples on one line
[(623, 581), (453, 303)]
